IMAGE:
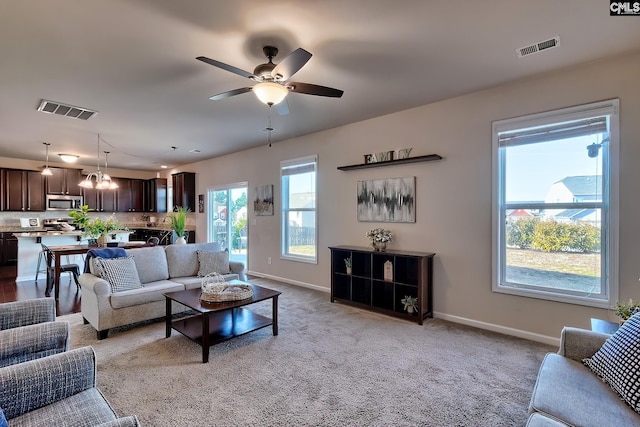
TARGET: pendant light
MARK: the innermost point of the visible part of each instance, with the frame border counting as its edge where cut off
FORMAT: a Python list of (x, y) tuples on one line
[(46, 170), (103, 182)]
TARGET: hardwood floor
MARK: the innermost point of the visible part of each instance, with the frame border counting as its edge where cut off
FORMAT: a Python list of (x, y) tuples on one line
[(68, 303)]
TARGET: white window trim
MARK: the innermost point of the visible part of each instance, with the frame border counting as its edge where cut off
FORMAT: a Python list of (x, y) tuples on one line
[(609, 107), (283, 255)]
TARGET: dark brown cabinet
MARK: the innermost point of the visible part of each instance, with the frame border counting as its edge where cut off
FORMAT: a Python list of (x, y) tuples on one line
[(380, 281), (9, 248), (23, 190), (155, 195), (99, 200), (184, 190), (64, 181), (129, 195)]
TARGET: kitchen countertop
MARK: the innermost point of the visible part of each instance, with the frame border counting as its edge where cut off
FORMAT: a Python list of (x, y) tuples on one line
[(59, 233)]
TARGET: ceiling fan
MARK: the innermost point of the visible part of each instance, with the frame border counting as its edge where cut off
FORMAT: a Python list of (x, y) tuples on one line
[(273, 79)]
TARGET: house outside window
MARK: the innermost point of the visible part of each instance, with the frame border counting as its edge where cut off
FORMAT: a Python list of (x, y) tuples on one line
[(555, 205), (299, 209)]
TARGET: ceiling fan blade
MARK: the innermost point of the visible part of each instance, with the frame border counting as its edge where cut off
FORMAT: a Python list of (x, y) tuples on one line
[(291, 64), (227, 67), (282, 108), (310, 89), (230, 93)]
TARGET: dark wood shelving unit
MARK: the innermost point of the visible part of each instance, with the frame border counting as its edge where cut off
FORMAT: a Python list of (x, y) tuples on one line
[(418, 159), (367, 288)]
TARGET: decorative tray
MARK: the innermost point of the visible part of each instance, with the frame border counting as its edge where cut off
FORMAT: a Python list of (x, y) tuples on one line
[(226, 292)]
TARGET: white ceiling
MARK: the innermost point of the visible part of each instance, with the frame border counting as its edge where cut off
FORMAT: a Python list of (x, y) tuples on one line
[(134, 62)]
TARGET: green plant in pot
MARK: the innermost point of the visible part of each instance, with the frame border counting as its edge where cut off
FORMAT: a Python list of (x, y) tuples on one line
[(410, 304), (98, 228), (81, 217), (179, 222), (624, 310), (347, 264)]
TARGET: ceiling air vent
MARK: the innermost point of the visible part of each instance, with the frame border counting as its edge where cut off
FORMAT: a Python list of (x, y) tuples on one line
[(538, 47), (52, 107)]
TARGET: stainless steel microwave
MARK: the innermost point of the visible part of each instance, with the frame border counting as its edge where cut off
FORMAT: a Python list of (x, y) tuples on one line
[(57, 202)]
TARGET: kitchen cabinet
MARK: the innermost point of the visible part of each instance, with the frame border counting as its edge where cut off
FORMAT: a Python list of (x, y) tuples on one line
[(99, 200), (64, 181), (23, 190), (155, 195), (9, 248), (129, 195), (380, 281), (184, 190)]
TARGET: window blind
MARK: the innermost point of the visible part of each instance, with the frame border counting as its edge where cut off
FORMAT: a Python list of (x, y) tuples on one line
[(572, 129)]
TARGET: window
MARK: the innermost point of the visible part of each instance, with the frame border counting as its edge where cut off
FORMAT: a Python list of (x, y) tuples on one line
[(299, 218), (555, 179)]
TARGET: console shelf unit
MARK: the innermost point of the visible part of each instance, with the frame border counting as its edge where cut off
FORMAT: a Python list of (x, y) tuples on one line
[(367, 288)]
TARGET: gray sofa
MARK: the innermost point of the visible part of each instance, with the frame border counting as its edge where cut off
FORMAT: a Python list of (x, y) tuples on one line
[(58, 390), (28, 331), (568, 393), (161, 269)]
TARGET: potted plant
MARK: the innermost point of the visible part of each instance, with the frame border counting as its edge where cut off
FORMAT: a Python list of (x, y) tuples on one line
[(625, 310), (178, 223), (410, 303), (379, 238), (80, 217), (347, 264), (98, 228)]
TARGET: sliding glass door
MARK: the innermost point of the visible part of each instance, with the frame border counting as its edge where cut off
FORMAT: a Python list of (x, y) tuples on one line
[(227, 219)]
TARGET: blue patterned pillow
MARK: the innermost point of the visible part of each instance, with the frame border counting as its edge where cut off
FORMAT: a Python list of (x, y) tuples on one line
[(121, 273), (3, 420), (618, 362)]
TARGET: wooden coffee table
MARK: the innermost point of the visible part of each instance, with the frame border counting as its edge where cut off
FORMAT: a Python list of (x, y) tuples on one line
[(220, 321)]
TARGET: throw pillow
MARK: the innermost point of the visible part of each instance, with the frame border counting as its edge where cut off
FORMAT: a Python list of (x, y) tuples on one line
[(618, 362), (3, 420), (213, 262), (121, 273)]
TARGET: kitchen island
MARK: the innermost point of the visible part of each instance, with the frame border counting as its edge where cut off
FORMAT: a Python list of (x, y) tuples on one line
[(29, 247)]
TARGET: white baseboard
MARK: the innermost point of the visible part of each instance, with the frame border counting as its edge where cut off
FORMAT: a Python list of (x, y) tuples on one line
[(289, 281), (554, 341)]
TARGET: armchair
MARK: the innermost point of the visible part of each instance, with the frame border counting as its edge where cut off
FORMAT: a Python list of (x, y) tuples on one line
[(28, 331), (57, 390)]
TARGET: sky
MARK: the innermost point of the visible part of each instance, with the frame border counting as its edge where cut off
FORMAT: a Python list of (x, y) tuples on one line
[(533, 168)]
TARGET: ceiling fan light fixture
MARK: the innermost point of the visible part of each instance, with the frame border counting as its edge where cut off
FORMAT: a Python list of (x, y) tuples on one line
[(270, 93), (68, 158)]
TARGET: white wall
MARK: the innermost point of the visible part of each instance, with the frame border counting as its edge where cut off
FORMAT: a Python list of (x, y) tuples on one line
[(453, 195)]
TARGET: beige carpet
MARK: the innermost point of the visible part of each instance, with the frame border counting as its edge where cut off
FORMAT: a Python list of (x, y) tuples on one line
[(330, 365)]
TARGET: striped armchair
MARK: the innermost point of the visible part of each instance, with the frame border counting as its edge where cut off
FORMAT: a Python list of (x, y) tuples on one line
[(58, 390), (28, 331)]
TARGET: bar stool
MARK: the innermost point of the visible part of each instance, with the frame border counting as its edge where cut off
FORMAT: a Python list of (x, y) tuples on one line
[(72, 269)]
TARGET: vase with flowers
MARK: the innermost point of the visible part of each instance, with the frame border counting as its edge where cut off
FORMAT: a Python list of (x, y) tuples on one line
[(379, 238)]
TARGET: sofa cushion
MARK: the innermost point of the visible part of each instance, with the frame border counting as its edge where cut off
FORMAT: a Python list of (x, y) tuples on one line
[(538, 420), (213, 262), (88, 407), (192, 282), (121, 273), (150, 292), (3, 420), (567, 390), (151, 263), (618, 362), (183, 259)]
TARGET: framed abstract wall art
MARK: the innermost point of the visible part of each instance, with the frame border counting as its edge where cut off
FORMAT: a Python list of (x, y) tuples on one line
[(387, 200), (263, 201)]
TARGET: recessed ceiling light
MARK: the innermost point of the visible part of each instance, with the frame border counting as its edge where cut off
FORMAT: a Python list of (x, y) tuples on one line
[(163, 166), (68, 158)]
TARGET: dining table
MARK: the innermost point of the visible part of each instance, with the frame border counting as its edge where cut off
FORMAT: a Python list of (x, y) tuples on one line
[(57, 252)]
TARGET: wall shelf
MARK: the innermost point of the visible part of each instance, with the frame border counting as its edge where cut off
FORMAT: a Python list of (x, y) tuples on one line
[(418, 159)]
